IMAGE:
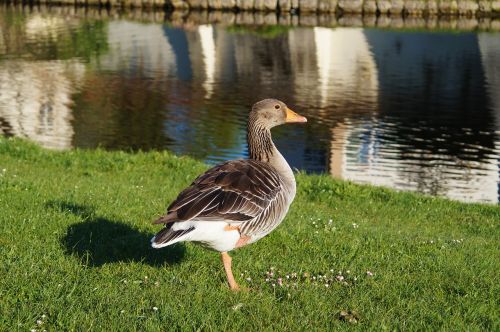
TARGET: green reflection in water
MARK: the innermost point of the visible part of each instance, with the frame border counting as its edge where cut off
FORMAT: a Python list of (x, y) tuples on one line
[(49, 37), (264, 31)]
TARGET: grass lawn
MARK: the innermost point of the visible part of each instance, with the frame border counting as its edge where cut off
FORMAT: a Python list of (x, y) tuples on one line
[(75, 255)]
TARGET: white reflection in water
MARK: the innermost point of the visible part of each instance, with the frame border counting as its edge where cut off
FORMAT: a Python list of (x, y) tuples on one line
[(345, 66), (35, 100), (358, 151), (489, 45), (3, 47), (138, 46), (43, 26), (208, 49), (365, 157), (35, 97)]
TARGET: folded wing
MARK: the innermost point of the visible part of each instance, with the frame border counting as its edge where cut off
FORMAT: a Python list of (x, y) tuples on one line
[(235, 191)]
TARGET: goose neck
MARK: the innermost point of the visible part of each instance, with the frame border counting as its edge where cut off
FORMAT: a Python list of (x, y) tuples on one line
[(261, 147)]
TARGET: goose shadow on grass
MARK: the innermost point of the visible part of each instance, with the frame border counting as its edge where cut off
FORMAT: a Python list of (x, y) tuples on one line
[(96, 241)]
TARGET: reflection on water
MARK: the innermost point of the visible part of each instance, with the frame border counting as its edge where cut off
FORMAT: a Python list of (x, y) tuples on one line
[(35, 100), (410, 110)]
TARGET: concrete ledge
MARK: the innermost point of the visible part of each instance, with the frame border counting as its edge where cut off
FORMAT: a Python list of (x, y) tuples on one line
[(338, 7), (188, 18)]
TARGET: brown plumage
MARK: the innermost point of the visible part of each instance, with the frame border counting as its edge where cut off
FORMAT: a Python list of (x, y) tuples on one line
[(236, 191), (239, 201)]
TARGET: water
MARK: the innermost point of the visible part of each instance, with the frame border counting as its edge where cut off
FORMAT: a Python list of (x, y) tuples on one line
[(412, 110)]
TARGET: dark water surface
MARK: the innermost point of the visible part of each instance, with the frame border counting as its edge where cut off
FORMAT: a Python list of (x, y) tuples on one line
[(412, 110)]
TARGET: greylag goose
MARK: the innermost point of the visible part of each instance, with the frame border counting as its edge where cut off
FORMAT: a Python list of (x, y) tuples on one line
[(239, 201)]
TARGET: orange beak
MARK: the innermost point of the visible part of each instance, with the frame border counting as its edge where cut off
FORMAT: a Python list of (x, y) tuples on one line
[(292, 117)]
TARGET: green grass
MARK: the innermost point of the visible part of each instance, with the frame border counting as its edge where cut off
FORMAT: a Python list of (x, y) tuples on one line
[(74, 246)]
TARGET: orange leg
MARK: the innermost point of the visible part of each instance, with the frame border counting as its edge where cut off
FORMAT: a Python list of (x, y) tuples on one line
[(243, 238), (226, 260), (242, 241)]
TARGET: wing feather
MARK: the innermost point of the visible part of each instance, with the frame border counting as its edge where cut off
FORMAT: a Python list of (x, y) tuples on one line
[(235, 191)]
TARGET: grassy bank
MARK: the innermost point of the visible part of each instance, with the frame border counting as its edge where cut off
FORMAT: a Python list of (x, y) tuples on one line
[(74, 246)]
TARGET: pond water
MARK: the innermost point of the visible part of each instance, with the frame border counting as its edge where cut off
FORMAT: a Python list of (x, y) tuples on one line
[(412, 110)]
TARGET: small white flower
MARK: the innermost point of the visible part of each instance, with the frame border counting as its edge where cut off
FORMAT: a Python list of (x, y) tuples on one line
[(249, 279), (339, 278), (155, 308), (368, 273), (43, 316), (33, 330), (122, 311), (39, 322), (237, 306)]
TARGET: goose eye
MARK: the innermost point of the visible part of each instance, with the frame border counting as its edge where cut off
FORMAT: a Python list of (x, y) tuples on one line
[(277, 107)]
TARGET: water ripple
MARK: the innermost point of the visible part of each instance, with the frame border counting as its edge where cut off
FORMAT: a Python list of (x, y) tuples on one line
[(409, 110)]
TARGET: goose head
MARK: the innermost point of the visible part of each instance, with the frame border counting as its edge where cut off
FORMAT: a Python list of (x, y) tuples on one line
[(270, 113)]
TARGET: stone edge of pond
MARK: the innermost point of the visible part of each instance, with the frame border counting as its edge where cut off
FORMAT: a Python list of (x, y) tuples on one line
[(189, 18), (336, 7)]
